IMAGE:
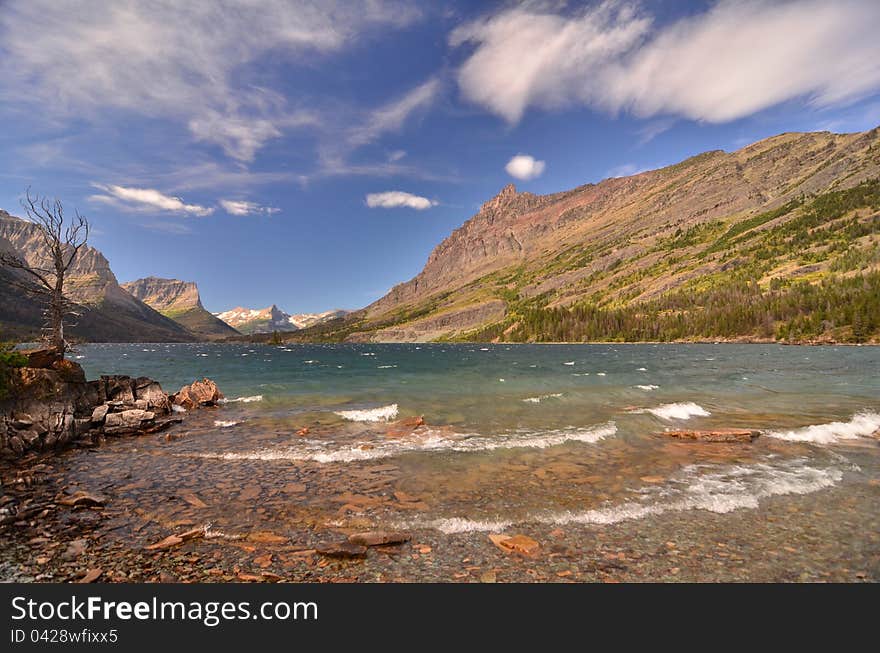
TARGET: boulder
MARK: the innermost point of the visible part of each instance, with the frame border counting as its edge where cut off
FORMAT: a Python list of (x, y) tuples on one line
[(128, 421), (69, 370), (100, 413), (151, 392), (715, 435), (22, 420), (198, 393), (119, 388), (521, 544), (42, 357)]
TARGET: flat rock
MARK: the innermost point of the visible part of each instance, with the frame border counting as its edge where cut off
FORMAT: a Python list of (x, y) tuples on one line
[(344, 549), (377, 538), (81, 498), (522, 544), (715, 435)]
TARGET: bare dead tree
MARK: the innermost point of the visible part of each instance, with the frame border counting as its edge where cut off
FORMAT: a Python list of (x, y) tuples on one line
[(45, 275)]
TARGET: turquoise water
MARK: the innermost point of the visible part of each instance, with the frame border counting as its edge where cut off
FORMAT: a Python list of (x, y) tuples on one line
[(494, 388), (513, 434)]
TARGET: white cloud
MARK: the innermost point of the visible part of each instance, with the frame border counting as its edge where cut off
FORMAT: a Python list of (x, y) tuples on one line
[(397, 198), (396, 155), (734, 59), (392, 116), (525, 167), (192, 62), (243, 207), (147, 198)]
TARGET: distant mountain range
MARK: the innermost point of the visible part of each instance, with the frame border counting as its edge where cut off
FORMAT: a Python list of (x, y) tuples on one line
[(271, 319), (778, 240)]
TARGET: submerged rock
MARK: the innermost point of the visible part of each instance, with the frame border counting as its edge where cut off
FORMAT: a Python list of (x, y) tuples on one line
[(343, 549), (715, 435), (522, 544), (377, 538)]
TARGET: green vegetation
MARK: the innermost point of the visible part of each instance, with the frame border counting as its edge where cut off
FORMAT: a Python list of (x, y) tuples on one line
[(9, 360), (846, 309)]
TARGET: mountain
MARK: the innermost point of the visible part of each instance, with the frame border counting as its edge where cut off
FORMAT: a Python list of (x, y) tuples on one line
[(267, 320), (109, 313), (776, 240), (180, 301)]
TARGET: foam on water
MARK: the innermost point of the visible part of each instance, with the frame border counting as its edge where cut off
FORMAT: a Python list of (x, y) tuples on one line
[(648, 387), (219, 423), (381, 414), (861, 425), (697, 487), (540, 398), (243, 400), (680, 410), (428, 441)]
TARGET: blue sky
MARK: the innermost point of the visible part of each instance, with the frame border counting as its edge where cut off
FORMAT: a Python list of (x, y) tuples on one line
[(312, 154)]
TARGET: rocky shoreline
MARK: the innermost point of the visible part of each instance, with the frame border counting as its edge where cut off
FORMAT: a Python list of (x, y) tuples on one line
[(51, 405)]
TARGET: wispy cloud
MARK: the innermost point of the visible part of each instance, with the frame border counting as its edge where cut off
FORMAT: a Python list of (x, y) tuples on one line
[(525, 167), (187, 62), (244, 207), (147, 198), (734, 59), (391, 116), (393, 199)]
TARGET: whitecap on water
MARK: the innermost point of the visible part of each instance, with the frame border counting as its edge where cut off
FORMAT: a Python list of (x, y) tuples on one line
[(427, 441), (861, 425), (681, 410), (243, 400), (539, 399), (648, 387), (381, 414), (697, 487), (569, 363)]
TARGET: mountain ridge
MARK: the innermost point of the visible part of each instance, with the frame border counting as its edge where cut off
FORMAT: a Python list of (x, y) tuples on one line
[(629, 241), (181, 302), (109, 313)]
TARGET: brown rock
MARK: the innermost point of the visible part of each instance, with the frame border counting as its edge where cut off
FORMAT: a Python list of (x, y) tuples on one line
[(41, 358), (198, 393), (343, 549), (303, 431), (716, 435), (522, 544), (377, 538), (81, 498), (69, 370), (193, 500), (265, 537), (74, 550), (128, 421), (91, 576), (404, 427)]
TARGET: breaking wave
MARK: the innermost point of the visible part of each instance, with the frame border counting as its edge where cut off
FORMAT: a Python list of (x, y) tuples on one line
[(681, 410), (861, 425), (243, 400), (381, 414), (429, 441), (720, 491), (648, 387), (539, 399)]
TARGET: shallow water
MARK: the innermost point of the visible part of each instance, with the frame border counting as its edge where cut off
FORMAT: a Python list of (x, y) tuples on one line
[(514, 435)]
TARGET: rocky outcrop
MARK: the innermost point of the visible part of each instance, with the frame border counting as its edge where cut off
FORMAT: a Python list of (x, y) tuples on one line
[(53, 407), (108, 312), (198, 393), (179, 301), (612, 239)]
